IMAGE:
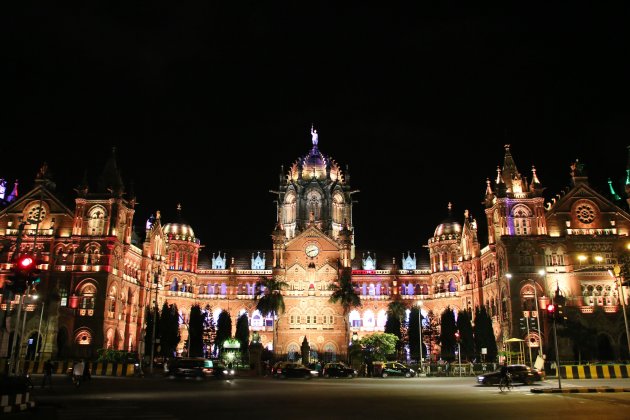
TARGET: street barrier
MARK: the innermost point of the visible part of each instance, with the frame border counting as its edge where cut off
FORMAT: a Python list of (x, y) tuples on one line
[(595, 371), (97, 369)]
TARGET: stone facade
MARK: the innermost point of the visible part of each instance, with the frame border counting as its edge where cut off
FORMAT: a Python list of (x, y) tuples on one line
[(99, 276)]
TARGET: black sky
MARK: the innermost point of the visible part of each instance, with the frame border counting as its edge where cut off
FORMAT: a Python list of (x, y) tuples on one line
[(205, 102)]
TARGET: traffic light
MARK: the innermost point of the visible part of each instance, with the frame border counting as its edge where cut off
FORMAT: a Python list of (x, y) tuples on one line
[(533, 326), (551, 311), (25, 273), (560, 301), (522, 324), (457, 336)]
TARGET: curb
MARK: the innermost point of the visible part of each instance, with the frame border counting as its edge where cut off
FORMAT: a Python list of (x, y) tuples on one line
[(577, 390)]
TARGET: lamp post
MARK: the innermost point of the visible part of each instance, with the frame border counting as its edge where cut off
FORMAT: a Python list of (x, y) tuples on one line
[(617, 270), (39, 328), (420, 352), (156, 283), (540, 334)]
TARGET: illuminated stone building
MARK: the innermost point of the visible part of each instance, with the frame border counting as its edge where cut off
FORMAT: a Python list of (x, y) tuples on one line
[(99, 275)]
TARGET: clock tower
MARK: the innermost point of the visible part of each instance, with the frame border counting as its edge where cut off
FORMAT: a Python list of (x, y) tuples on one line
[(313, 240)]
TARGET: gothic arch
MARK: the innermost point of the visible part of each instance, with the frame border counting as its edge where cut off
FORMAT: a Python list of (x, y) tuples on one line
[(96, 220)]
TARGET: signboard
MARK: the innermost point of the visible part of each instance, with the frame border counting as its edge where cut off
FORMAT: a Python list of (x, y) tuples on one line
[(484, 350)]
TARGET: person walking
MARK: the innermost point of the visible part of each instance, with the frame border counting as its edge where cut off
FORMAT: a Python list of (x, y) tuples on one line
[(48, 369), (77, 372)]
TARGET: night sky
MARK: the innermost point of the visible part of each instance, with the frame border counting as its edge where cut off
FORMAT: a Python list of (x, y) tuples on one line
[(205, 101)]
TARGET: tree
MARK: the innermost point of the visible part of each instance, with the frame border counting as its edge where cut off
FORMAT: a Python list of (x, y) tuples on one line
[(169, 327), (224, 329), (195, 332), (270, 301), (379, 345), (484, 335), (396, 311), (242, 333), (345, 294), (467, 341), (413, 332), (209, 330), (148, 331), (447, 334)]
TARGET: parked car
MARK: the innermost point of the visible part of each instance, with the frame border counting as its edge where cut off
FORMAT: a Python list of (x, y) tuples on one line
[(520, 374), (338, 370), (396, 369), (292, 370), (196, 367)]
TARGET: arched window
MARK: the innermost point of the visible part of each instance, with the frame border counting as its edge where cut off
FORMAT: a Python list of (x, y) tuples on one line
[(87, 296), (289, 208), (83, 337), (368, 319), (293, 351), (314, 204), (521, 216), (174, 285), (111, 302), (355, 319), (96, 221), (452, 286), (223, 289), (381, 318), (257, 319), (338, 207)]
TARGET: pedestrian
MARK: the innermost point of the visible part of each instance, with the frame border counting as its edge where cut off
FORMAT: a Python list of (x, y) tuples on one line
[(48, 369), (87, 375), (77, 372)]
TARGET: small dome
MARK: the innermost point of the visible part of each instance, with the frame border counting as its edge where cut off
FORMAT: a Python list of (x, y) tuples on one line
[(180, 229), (448, 227)]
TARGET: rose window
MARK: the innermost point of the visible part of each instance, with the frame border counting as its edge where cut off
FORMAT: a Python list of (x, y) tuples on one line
[(585, 213)]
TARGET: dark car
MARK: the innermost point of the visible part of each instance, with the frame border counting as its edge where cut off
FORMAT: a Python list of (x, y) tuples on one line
[(293, 370), (338, 370), (520, 374), (190, 367), (396, 369)]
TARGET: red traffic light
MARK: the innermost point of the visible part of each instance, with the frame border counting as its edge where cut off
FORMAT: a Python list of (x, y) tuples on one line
[(457, 336), (25, 262), (551, 308)]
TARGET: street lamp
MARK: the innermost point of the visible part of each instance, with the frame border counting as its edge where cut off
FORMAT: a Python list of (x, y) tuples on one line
[(617, 276), (421, 352), (542, 273)]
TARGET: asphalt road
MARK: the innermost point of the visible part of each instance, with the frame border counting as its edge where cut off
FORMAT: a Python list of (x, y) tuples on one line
[(261, 398)]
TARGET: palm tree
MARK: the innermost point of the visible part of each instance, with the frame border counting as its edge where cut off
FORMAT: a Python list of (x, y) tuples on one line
[(344, 293), (270, 301)]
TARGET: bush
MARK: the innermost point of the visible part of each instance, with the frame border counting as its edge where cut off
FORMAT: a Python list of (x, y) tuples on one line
[(115, 356)]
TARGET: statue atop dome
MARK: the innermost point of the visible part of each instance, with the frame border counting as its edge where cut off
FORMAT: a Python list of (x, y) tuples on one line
[(314, 135)]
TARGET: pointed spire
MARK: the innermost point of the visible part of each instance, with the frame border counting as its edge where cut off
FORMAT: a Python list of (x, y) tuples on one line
[(614, 195), (535, 179), (450, 208), (488, 188), (111, 180), (14, 193), (499, 179)]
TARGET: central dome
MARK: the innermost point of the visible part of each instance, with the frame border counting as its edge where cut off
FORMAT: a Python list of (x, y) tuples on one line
[(315, 165)]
